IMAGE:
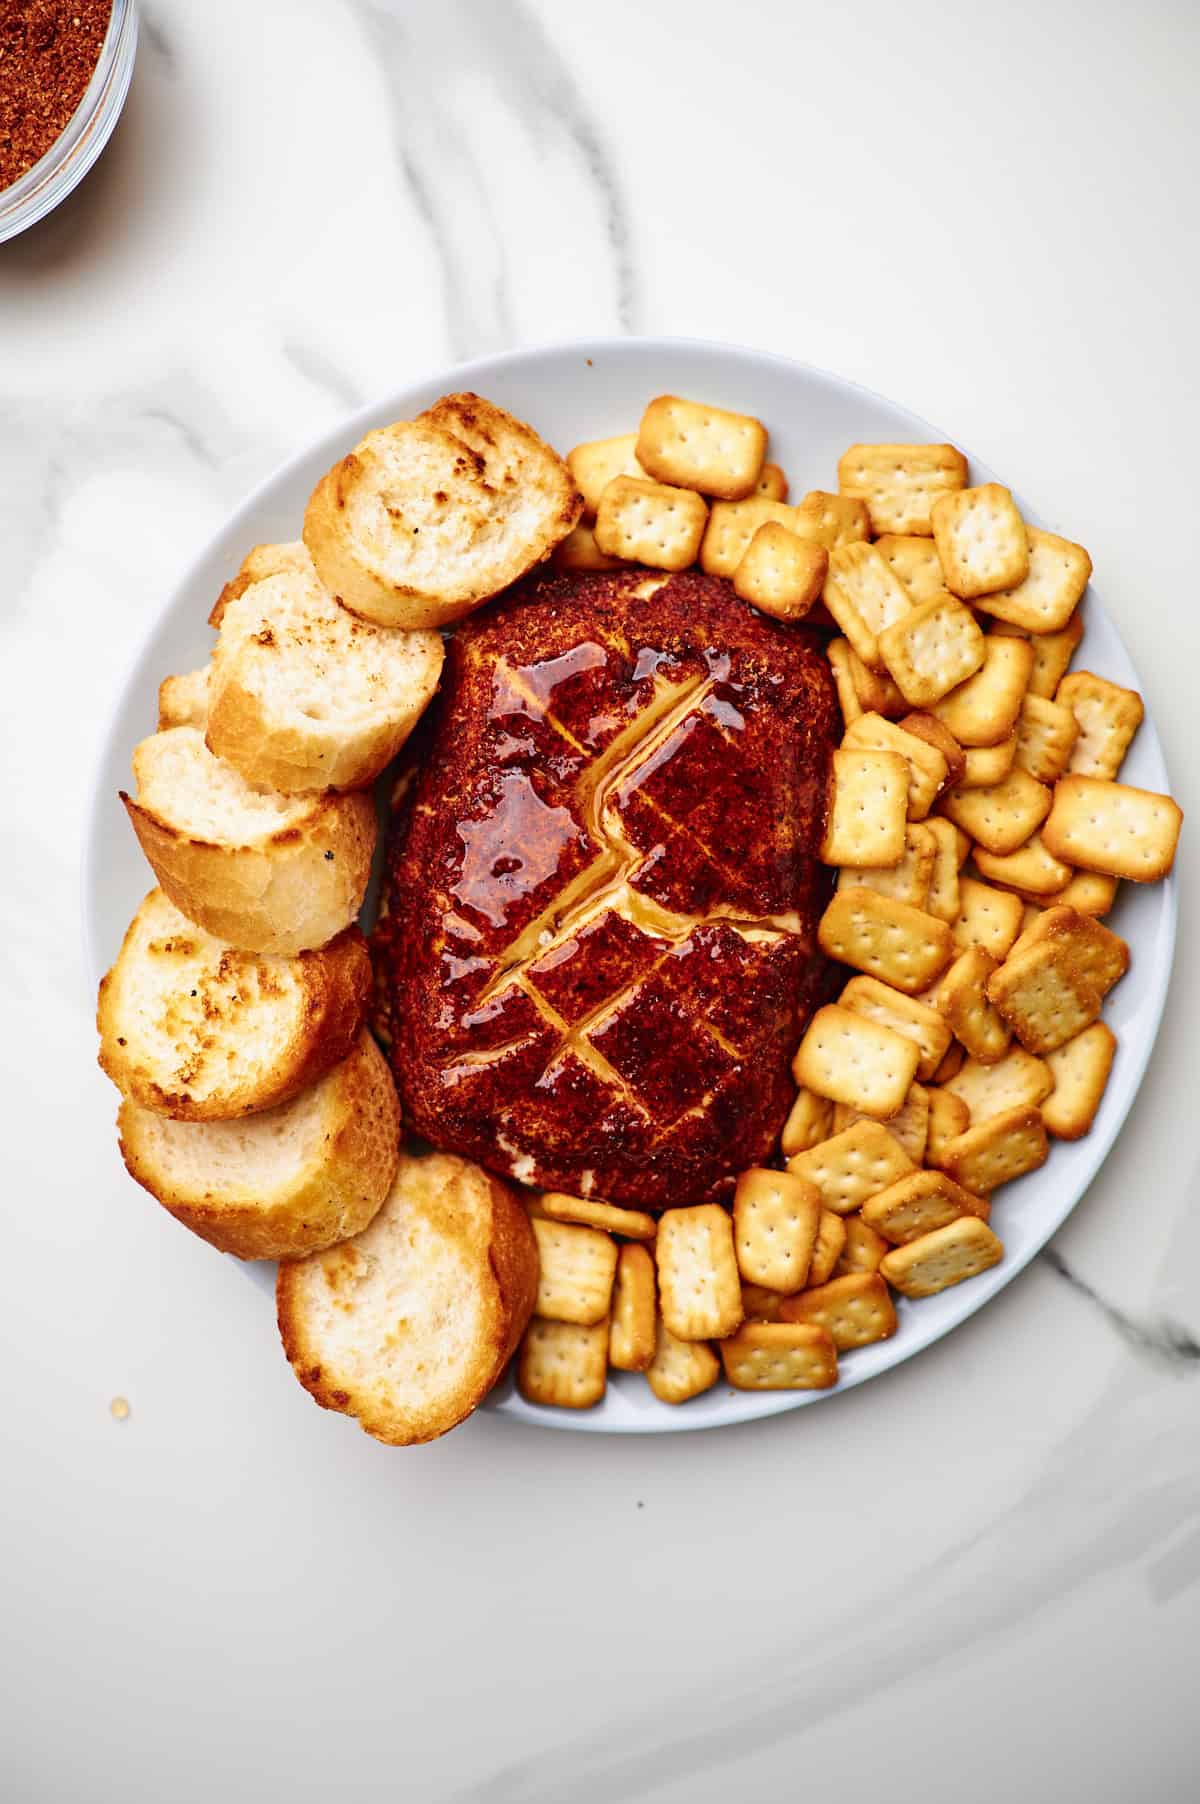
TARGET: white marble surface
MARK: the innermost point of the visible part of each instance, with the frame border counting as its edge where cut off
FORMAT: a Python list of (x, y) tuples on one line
[(977, 1576)]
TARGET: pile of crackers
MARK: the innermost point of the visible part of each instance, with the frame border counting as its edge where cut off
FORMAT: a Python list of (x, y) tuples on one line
[(979, 830)]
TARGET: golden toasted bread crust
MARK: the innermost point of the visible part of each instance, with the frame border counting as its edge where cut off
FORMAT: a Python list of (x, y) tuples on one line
[(335, 1195)]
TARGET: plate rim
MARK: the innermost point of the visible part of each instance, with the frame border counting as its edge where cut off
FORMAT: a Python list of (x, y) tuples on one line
[(755, 1405)]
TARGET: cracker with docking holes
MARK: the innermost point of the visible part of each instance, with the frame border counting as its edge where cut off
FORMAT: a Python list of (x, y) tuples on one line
[(576, 1270), (631, 1334), (1001, 817), (1044, 998), (590, 1212), (1080, 1070), (780, 1356), (1093, 951), (900, 483), (887, 939), (864, 598), (1046, 735), (832, 520), (984, 709), (935, 733), (997, 1150), (925, 1026), (648, 523), (876, 692), (1018, 1080), (963, 995), (987, 917), (849, 1059), (856, 1308), (809, 1122), (1058, 574), (916, 562), (831, 1244), (910, 879), (781, 574), (920, 1203), (840, 652), (949, 1116), (595, 464), (772, 483), (942, 899), (960, 1250), (760, 1304), (698, 1287), (1052, 652), (981, 540), (927, 768), (732, 525), (1113, 828), (863, 1250), (694, 446), (1030, 869), (932, 649), (580, 552), (909, 1125), (776, 1218), (1107, 717), (853, 1165), (563, 1363), (985, 765), (868, 811), (1088, 892), (680, 1369)]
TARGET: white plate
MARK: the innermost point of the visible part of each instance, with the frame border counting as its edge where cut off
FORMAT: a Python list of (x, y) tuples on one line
[(592, 390)]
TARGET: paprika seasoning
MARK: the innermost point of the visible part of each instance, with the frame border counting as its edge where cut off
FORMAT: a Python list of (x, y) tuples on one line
[(48, 52)]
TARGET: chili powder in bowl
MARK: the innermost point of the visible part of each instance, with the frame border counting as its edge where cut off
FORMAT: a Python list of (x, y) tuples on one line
[(65, 67)]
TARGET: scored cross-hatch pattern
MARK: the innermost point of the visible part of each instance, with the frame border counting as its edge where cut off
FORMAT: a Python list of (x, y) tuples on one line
[(606, 884)]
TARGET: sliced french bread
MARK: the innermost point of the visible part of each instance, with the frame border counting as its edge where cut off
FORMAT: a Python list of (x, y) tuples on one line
[(260, 562), (305, 695), (408, 1326), (286, 1182), (183, 700), (268, 872), (194, 1029), (426, 519)]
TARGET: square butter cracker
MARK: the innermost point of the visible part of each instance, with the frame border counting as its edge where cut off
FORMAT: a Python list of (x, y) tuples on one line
[(984, 709), (927, 768), (906, 1015), (919, 1204), (1093, 951), (850, 1059), (979, 1027), (648, 523), (580, 552), (809, 1122), (781, 574), (1018, 1080), (1043, 998), (932, 649), (997, 1150), (839, 652), (776, 1218), (1045, 739), (853, 1165), (915, 561), (1052, 652), (985, 765), (911, 880), (883, 938), (780, 1356), (680, 1369), (595, 464), (856, 1309), (900, 483), (760, 1303), (868, 809), (1030, 869), (564, 1364), (699, 1290), (590, 1212), (935, 733), (942, 898), (981, 540), (576, 1270), (631, 1333), (831, 1244), (731, 527), (1106, 716), (1088, 892), (1054, 583), (987, 917), (877, 693), (909, 1126), (1080, 1070), (832, 520), (1113, 828), (695, 446), (961, 1250), (772, 483), (1001, 817), (949, 1116), (864, 1248), (864, 598)]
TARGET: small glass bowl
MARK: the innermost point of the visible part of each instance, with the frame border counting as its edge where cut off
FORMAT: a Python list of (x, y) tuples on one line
[(86, 133)]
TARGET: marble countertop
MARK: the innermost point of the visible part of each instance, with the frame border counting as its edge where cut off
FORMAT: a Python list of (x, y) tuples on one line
[(977, 1576)]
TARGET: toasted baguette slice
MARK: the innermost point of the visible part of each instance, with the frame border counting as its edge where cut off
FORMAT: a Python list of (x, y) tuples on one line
[(290, 1181), (194, 1029), (260, 562), (267, 872), (183, 700), (426, 519), (409, 1325), (305, 695)]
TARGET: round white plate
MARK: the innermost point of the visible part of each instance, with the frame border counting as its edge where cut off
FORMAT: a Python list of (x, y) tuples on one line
[(593, 390)]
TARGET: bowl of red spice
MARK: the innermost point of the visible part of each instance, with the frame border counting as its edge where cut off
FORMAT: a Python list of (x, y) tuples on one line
[(64, 74)]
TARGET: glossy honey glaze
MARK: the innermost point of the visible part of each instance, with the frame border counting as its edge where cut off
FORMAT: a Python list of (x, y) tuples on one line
[(599, 945)]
